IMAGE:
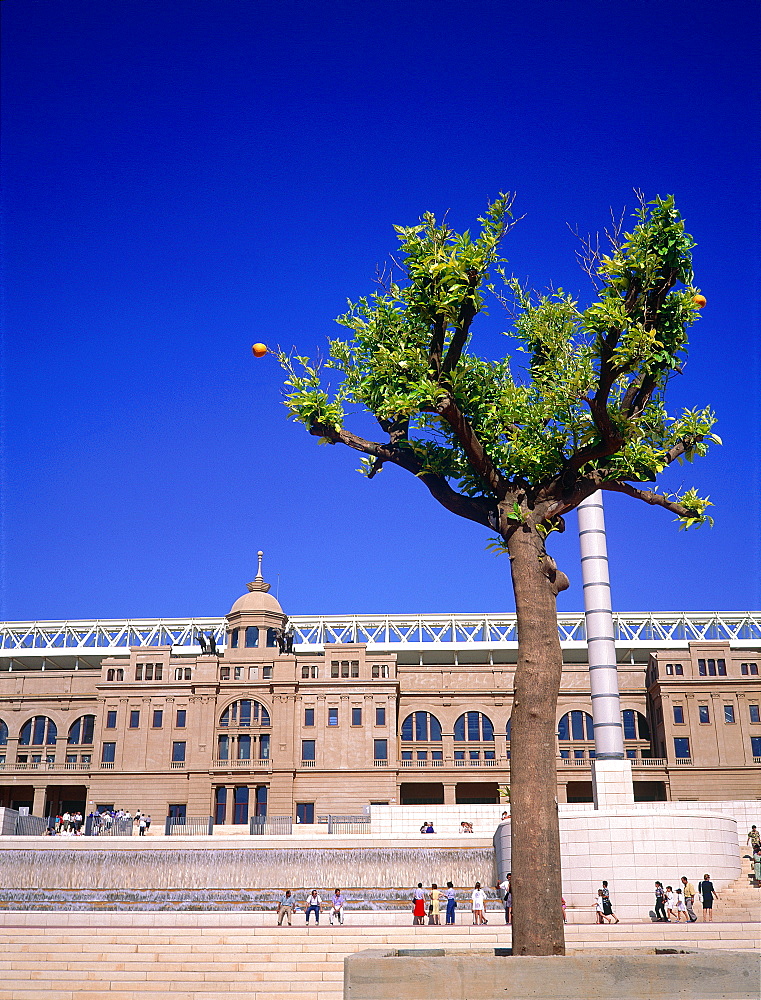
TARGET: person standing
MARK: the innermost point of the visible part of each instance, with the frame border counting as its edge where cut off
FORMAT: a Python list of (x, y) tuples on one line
[(418, 905), (680, 907), (478, 898), (706, 890), (451, 897), (660, 898), (285, 908), (337, 908), (689, 895), (599, 910), (433, 906), (314, 902), (607, 906), (754, 838), (505, 890), (670, 903)]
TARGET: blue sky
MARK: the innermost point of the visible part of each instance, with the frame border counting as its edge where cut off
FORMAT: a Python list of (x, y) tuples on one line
[(182, 179)]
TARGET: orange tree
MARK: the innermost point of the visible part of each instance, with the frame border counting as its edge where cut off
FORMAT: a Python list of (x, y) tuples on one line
[(516, 450)]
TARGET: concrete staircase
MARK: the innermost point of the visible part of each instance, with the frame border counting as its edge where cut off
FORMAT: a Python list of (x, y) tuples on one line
[(229, 956)]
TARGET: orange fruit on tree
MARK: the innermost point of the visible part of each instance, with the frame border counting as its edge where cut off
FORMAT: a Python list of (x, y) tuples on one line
[(259, 350), (699, 300)]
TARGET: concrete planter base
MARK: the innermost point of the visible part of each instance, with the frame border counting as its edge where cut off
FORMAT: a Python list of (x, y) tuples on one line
[(632, 974)]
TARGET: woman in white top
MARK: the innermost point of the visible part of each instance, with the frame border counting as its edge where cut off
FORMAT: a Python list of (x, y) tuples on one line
[(479, 900)]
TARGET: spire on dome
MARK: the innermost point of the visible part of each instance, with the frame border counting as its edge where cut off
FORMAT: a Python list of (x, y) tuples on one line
[(258, 582)]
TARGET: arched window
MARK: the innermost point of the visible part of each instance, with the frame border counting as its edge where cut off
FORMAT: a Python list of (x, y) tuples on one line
[(635, 725), (110, 674), (474, 727), (3, 734), (120, 674), (252, 636), (82, 730), (421, 727), (507, 729), (573, 726), (38, 731), (245, 712)]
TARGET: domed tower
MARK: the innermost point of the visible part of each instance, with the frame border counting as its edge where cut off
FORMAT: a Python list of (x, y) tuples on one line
[(254, 621)]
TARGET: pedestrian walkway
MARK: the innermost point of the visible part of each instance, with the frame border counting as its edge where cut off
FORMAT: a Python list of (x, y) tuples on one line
[(221, 956)]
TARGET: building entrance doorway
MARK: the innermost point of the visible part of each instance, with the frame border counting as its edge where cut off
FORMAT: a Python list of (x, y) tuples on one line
[(421, 793), (477, 793), (65, 798)]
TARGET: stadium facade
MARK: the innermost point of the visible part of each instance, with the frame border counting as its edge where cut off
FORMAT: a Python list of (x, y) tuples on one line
[(364, 710)]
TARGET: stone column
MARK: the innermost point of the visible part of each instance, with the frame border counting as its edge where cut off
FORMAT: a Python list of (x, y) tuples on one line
[(38, 804), (611, 771)]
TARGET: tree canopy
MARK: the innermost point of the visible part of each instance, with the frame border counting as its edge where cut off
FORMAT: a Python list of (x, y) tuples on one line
[(499, 442)]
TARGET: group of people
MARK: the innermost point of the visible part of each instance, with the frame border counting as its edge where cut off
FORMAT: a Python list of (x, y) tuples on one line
[(670, 902), (66, 823), (427, 827), (312, 906), (430, 904)]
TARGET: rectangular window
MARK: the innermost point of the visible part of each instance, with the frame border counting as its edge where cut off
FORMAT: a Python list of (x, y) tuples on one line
[(755, 746), (712, 668), (139, 672), (149, 671), (305, 812), (755, 716), (158, 718), (224, 673), (631, 754), (681, 747), (679, 668), (332, 716), (380, 715), (178, 751), (264, 746), (669, 668), (703, 714), (380, 749), (252, 637), (305, 673), (379, 670), (308, 716), (355, 668), (754, 669), (110, 720), (307, 749), (240, 805), (134, 719), (334, 665), (702, 668), (158, 672), (253, 673), (238, 673), (220, 802), (344, 668), (678, 715), (722, 667), (267, 673), (356, 717), (234, 639), (108, 753), (729, 713), (181, 717), (744, 669)]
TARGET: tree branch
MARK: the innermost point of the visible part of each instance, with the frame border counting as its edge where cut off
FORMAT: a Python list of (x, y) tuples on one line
[(475, 452), (478, 509), (647, 496)]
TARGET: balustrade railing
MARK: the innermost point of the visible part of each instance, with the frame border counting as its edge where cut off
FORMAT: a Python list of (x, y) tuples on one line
[(189, 826), (278, 826)]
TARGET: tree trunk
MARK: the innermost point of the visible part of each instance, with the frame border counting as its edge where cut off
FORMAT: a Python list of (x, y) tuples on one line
[(535, 833)]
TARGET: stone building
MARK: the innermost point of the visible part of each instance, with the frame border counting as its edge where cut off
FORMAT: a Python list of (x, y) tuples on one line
[(226, 721)]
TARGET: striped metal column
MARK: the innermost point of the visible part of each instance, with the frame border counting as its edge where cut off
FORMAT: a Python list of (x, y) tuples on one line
[(601, 640)]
